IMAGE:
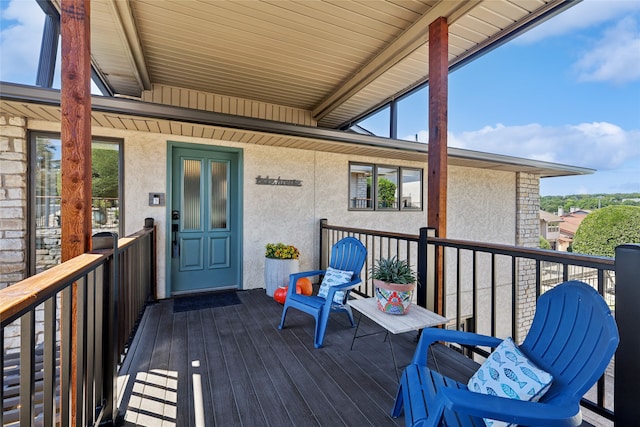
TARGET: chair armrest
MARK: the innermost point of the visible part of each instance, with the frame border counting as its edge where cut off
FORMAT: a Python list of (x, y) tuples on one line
[(293, 279), (343, 287), (432, 335), (511, 410)]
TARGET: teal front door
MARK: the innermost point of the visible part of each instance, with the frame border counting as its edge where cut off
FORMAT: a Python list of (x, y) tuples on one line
[(205, 220)]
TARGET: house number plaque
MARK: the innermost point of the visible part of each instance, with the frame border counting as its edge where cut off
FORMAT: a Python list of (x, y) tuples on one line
[(278, 181)]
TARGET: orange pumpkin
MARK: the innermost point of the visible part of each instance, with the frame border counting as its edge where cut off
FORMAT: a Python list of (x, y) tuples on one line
[(280, 294), (305, 285)]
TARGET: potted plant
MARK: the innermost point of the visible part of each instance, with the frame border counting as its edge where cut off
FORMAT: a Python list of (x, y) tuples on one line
[(281, 261), (394, 281)]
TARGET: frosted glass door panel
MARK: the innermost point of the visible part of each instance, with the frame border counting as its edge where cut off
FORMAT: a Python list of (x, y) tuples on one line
[(219, 194), (191, 194)]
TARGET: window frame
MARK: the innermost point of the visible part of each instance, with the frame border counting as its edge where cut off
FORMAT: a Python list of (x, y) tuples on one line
[(401, 192), (374, 188), (349, 197), (32, 181)]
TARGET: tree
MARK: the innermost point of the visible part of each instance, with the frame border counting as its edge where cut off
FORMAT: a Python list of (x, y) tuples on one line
[(601, 231), (104, 165), (544, 243), (386, 193)]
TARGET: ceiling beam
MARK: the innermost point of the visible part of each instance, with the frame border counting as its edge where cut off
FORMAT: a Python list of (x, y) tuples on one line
[(124, 19), (414, 37)]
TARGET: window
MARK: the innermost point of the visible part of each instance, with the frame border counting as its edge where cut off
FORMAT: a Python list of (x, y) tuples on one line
[(411, 184), (395, 188), (387, 187), (360, 195), (44, 203)]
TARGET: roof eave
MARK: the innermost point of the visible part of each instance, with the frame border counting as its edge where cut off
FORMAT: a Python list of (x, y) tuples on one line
[(51, 97)]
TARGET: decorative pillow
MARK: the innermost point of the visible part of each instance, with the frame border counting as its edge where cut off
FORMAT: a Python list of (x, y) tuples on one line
[(334, 277), (508, 373)]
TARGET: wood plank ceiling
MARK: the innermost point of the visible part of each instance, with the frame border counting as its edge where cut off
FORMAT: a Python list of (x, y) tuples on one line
[(336, 58)]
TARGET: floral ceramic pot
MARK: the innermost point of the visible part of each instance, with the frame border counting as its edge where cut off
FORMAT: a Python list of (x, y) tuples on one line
[(393, 298)]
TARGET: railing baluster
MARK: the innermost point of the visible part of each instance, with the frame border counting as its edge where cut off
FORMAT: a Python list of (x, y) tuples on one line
[(27, 367), (493, 294), (458, 290), (2, 372), (90, 398), (514, 295), (474, 308), (98, 341), (49, 361), (65, 355), (81, 349), (538, 278)]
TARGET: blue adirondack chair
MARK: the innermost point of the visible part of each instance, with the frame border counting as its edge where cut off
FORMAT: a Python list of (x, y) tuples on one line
[(348, 254), (573, 337)]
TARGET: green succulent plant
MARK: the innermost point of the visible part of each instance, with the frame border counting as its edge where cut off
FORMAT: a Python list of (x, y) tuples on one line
[(393, 270)]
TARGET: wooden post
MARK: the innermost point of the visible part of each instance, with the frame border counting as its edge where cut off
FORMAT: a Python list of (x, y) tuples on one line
[(75, 103), (437, 166)]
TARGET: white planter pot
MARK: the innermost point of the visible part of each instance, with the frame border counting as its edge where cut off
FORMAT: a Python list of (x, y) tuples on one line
[(277, 271)]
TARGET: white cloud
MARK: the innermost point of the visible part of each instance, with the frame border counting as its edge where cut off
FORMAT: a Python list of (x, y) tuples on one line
[(20, 37), (616, 57), (586, 14), (598, 145)]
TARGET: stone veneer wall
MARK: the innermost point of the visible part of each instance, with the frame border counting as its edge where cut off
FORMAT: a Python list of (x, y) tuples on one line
[(13, 200), (528, 235), (13, 211)]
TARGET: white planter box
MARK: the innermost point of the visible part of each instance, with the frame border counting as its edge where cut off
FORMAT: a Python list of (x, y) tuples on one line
[(277, 271)]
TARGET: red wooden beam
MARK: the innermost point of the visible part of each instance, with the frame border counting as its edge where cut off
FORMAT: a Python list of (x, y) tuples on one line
[(75, 104), (75, 198), (437, 156)]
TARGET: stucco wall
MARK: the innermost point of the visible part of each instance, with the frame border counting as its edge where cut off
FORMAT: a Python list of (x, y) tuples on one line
[(481, 203), (481, 207)]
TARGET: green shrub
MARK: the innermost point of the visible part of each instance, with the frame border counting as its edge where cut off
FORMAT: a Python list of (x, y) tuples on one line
[(601, 231)]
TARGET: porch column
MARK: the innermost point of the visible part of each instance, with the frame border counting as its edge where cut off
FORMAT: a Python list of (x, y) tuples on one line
[(437, 160), (75, 103), (627, 369), (527, 235)]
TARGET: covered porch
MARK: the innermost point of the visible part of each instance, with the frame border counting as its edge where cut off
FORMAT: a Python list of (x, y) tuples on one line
[(230, 364)]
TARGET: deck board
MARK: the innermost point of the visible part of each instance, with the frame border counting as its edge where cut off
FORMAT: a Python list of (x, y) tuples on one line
[(253, 374)]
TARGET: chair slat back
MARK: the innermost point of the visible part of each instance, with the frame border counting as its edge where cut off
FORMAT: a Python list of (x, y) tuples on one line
[(348, 254), (573, 337)]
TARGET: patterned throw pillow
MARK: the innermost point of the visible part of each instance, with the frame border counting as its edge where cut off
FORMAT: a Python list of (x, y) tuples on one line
[(508, 373), (334, 277)]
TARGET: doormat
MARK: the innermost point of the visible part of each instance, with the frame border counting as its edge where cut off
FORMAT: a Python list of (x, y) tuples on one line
[(208, 300)]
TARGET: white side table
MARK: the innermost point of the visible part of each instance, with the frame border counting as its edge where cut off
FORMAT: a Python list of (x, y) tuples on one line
[(417, 318)]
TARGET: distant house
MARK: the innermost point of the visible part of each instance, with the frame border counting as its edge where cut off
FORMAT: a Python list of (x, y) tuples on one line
[(550, 228), (569, 226)]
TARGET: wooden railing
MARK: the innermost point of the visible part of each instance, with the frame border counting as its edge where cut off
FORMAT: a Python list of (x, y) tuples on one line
[(488, 288), (75, 321)]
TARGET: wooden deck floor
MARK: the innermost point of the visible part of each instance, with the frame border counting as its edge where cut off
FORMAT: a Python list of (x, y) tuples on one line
[(231, 366)]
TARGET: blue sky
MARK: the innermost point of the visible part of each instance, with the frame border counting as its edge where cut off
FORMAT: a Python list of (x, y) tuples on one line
[(567, 91)]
